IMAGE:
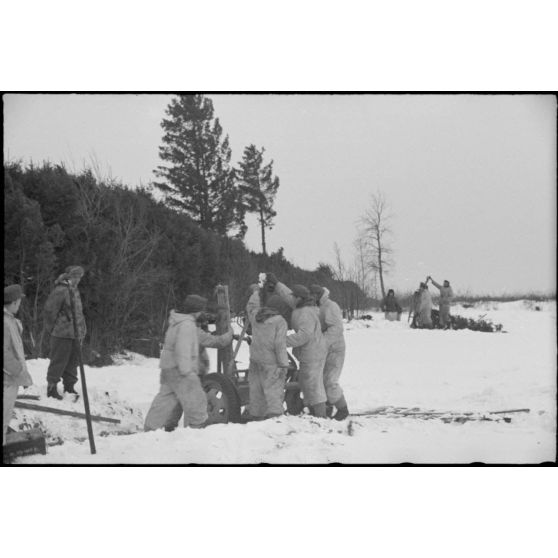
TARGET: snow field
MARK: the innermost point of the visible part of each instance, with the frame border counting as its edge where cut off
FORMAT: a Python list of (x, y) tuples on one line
[(387, 363)]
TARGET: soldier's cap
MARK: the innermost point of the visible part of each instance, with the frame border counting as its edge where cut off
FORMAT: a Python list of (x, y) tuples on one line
[(194, 303), (277, 303), (317, 290), (12, 293), (300, 291), (74, 271)]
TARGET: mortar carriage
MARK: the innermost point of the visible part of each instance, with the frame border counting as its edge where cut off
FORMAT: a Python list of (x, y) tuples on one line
[(227, 389)]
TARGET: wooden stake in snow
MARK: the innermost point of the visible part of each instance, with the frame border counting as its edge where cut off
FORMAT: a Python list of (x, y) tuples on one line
[(82, 372)]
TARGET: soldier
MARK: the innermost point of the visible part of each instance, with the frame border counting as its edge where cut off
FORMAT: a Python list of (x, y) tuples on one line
[(268, 359), (15, 368), (331, 320), (425, 307), (391, 307), (181, 389), (446, 296), (59, 323), (415, 308)]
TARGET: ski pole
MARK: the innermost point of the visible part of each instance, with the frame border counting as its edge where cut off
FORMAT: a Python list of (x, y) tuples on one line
[(82, 372)]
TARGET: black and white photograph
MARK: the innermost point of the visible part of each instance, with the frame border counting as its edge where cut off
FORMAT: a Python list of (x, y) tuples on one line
[(279, 278)]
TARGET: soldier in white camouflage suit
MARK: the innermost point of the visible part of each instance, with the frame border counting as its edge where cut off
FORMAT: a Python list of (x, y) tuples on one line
[(331, 320)]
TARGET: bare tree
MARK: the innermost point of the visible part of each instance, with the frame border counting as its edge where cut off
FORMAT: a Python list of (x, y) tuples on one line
[(375, 232), (361, 270), (340, 275)]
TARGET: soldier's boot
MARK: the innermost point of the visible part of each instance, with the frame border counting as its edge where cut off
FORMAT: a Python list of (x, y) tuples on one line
[(342, 409), (52, 391), (319, 410)]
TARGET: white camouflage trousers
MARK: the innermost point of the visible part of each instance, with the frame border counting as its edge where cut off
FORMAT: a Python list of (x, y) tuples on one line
[(267, 389), (177, 394), (311, 380), (332, 371)]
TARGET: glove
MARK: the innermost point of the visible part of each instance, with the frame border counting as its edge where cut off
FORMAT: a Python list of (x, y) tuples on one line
[(271, 279)]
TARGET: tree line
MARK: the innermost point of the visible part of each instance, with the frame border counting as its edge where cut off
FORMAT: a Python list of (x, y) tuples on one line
[(141, 256)]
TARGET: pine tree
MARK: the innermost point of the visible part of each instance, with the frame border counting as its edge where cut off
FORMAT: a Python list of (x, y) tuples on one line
[(199, 179), (258, 188)]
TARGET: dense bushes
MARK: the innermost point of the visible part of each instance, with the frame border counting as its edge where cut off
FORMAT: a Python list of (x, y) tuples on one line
[(140, 256)]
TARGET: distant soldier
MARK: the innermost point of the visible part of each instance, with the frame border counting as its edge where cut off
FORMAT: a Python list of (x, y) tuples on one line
[(15, 368), (425, 307), (331, 320), (415, 308), (391, 307), (59, 323), (446, 296)]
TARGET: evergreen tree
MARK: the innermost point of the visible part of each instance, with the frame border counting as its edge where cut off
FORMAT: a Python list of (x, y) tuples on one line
[(258, 188), (29, 258), (198, 178)]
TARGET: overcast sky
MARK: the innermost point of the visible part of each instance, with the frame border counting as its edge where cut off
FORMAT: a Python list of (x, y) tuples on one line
[(471, 179)]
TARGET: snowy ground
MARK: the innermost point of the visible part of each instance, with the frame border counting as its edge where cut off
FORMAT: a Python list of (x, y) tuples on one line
[(387, 364)]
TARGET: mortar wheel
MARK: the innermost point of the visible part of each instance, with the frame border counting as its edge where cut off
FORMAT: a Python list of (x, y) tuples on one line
[(223, 403), (294, 401)]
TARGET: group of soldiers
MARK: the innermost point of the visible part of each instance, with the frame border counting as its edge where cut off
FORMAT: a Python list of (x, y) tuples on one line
[(421, 305), (273, 309), (317, 342)]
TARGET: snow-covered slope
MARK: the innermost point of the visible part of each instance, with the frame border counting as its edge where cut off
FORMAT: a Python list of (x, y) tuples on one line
[(387, 364)]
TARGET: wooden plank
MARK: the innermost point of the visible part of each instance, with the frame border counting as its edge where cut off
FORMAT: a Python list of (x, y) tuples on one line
[(55, 411), (510, 411), (28, 396), (222, 326)]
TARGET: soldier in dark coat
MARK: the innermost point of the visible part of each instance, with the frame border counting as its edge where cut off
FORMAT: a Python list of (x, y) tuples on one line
[(391, 307), (59, 323)]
